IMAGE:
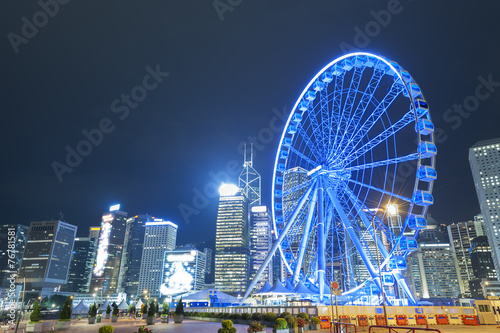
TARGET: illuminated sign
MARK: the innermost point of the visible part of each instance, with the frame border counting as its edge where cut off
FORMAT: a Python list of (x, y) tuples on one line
[(114, 207), (179, 272), (102, 248), (259, 209)]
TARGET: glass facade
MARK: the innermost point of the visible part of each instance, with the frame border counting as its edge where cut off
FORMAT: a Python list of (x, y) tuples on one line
[(261, 243), (109, 252), (484, 159), (160, 236), (184, 270), (82, 263), (47, 254), (133, 252), (232, 251)]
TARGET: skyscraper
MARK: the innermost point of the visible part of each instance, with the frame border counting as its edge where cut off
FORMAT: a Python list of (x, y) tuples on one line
[(249, 180), (133, 252), (81, 265), (482, 266), (461, 234), (12, 241), (112, 241), (232, 241), (47, 254), (484, 159), (261, 243), (160, 236)]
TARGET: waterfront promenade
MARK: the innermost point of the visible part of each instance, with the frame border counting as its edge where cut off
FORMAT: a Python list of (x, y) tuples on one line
[(126, 325)]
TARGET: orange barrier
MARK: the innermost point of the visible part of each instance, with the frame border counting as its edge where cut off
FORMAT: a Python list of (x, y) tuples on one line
[(380, 320), (325, 322), (401, 320), (442, 319), (421, 320), (470, 320), (362, 321)]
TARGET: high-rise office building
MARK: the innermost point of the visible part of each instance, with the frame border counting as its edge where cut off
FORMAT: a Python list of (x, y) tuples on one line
[(133, 252), (81, 265), (209, 257), (112, 241), (482, 266), (159, 236), (232, 251), (433, 269), (461, 234), (484, 159), (47, 254), (183, 270), (12, 241), (260, 244)]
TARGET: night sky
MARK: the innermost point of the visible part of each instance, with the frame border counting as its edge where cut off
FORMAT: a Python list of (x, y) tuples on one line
[(211, 76)]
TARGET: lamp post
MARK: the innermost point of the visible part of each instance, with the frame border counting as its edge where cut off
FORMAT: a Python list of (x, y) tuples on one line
[(379, 270)]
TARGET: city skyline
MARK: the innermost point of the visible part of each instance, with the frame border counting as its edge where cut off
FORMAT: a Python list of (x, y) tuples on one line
[(169, 151)]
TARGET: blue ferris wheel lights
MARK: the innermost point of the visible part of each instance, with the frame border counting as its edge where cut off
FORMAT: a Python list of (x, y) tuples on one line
[(327, 77), (425, 126), (408, 244), (417, 222), (310, 95), (421, 106), (423, 198), (397, 262), (426, 173), (427, 149)]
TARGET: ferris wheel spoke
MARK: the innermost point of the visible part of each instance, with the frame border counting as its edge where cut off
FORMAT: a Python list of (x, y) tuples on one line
[(406, 120), (309, 143), (371, 187), (337, 107), (304, 157), (349, 102), (386, 162), (381, 108), (326, 121), (305, 236)]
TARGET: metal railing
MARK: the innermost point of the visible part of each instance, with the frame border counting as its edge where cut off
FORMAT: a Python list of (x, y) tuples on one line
[(404, 329), (339, 327)]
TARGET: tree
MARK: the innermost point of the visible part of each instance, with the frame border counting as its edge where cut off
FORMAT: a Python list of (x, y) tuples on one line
[(151, 309), (115, 309), (65, 313), (165, 308), (93, 310), (157, 308), (144, 308), (179, 310), (108, 309), (36, 314)]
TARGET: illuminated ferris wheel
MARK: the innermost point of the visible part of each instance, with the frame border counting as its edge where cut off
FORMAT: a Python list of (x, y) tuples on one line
[(353, 178)]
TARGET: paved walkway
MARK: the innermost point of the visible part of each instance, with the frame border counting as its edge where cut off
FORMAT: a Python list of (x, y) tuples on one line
[(126, 325)]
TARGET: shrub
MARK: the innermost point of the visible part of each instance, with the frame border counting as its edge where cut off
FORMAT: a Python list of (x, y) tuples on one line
[(291, 321), (179, 310), (226, 315), (151, 309), (65, 313), (220, 315), (246, 316), (115, 309), (93, 310), (131, 308), (108, 309), (280, 324), (143, 329), (285, 314), (271, 316), (235, 316), (227, 327), (144, 308), (301, 322), (165, 308), (315, 320), (36, 314), (255, 327), (256, 316), (304, 316), (106, 328)]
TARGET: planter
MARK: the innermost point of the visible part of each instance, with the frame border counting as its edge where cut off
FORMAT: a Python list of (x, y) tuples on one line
[(91, 320), (294, 330), (144, 315), (282, 331), (313, 327), (178, 319), (150, 320), (63, 325), (114, 319), (164, 320), (34, 327), (107, 316)]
